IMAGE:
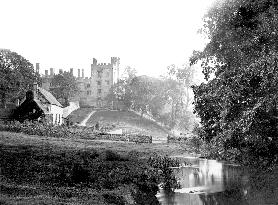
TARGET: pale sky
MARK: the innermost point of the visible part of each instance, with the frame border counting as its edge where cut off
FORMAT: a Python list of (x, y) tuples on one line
[(148, 35)]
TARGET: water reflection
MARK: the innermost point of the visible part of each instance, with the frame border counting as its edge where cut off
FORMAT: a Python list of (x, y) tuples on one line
[(209, 182)]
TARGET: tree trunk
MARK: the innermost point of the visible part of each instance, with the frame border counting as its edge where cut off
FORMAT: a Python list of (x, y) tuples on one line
[(187, 98)]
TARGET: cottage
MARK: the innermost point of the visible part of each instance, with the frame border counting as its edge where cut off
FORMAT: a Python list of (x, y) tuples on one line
[(53, 110), (37, 104)]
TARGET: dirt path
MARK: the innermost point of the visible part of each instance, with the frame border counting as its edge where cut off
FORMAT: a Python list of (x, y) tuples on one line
[(83, 122)]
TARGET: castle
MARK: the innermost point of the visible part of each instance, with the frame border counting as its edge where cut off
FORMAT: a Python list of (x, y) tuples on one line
[(93, 90)]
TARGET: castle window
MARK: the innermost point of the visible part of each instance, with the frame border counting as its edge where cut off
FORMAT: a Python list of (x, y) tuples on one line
[(88, 85), (89, 92), (107, 82), (99, 73), (98, 82), (99, 91)]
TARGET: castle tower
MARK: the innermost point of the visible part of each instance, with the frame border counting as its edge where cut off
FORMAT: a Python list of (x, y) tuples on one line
[(115, 61), (51, 71), (94, 65), (37, 67)]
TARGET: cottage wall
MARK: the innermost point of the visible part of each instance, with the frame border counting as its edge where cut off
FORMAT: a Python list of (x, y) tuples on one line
[(57, 113)]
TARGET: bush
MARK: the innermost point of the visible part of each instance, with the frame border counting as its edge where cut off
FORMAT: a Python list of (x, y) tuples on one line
[(164, 164), (113, 199), (88, 168), (36, 128), (57, 131), (109, 155)]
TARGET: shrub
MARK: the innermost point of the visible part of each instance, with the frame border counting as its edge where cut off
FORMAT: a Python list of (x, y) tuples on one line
[(88, 168), (109, 155), (113, 199), (164, 164)]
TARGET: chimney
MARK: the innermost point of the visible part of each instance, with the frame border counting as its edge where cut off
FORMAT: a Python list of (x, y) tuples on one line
[(51, 72), (35, 89), (82, 73), (46, 73), (78, 73), (71, 71), (37, 67), (94, 61), (60, 71)]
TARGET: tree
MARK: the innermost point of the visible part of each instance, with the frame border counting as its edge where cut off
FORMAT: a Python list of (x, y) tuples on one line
[(121, 90), (178, 92), (17, 75), (152, 96), (64, 86), (238, 106), (144, 93)]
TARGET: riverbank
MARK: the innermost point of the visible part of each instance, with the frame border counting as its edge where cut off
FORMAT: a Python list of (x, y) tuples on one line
[(37, 169)]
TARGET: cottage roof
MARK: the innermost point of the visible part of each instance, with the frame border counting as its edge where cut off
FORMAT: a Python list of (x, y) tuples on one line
[(39, 103), (49, 97)]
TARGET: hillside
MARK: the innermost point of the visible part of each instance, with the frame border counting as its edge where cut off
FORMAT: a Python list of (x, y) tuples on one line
[(78, 115), (128, 121)]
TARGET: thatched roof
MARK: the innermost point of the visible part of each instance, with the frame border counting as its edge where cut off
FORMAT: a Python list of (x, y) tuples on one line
[(49, 97)]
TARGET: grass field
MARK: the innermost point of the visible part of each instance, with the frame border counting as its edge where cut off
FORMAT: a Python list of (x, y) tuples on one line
[(10, 138), (36, 163)]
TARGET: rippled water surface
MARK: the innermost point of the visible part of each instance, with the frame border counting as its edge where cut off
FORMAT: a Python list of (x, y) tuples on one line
[(209, 182)]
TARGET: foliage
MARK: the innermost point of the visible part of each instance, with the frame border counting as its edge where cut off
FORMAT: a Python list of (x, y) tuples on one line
[(154, 96), (164, 164), (121, 90), (48, 130), (36, 128), (16, 75), (64, 86), (177, 91), (49, 166), (145, 94), (237, 105)]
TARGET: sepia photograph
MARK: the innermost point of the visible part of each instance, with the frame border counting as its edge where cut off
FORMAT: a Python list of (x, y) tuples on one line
[(139, 102)]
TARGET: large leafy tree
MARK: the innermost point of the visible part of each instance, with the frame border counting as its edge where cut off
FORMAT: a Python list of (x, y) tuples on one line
[(121, 91), (64, 86), (154, 96), (177, 90), (17, 75), (238, 104)]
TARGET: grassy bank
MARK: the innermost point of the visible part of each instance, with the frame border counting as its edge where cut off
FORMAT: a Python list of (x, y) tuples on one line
[(73, 174), (78, 115), (48, 170), (128, 121)]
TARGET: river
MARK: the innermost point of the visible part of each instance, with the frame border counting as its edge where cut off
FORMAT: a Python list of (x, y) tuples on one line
[(211, 182)]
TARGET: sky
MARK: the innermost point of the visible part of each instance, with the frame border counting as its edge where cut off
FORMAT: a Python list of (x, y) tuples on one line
[(148, 35)]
